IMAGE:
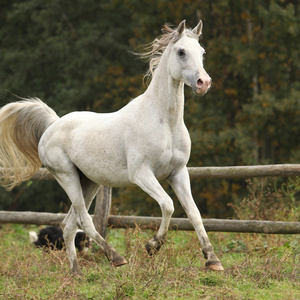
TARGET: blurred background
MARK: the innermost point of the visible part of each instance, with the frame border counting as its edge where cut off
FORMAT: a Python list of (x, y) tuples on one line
[(77, 55)]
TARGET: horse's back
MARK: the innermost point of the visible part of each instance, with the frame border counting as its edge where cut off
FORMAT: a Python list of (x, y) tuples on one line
[(92, 142)]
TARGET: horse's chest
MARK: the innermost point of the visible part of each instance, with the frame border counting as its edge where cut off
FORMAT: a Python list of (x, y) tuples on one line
[(174, 156)]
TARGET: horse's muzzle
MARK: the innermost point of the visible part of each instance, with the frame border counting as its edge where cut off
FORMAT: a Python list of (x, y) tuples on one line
[(202, 85)]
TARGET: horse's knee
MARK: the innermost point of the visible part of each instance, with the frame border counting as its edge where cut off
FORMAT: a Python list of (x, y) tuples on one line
[(85, 222), (168, 207)]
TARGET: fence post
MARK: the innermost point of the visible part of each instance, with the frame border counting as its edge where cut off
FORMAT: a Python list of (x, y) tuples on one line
[(102, 209)]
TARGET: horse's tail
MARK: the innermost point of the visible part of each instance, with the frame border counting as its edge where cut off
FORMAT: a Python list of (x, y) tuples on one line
[(22, 124)]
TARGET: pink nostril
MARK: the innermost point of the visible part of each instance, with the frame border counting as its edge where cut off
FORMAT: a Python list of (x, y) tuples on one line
[(199, 82), (203, 83)]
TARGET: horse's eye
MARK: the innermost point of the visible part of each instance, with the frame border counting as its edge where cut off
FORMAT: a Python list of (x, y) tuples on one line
[(181, 52)]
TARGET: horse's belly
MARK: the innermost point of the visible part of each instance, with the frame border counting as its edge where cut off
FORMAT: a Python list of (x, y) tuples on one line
[(104, 171), (113, 180)]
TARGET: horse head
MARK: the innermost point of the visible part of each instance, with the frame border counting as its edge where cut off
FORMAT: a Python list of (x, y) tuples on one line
[(186, 59)]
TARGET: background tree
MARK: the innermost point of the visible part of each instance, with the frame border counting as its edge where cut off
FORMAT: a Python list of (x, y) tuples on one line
[(76, 56)]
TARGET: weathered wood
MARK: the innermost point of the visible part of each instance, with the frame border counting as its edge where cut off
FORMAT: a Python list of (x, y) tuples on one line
[(220, 225), (104, 203), (102, 209), (28, 217), (283, 170)]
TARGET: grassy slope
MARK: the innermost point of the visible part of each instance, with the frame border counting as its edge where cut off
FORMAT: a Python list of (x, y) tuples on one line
[(257, 267)]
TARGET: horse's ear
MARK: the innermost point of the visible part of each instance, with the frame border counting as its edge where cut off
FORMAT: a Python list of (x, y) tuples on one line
[(198, 29), (181, 28)]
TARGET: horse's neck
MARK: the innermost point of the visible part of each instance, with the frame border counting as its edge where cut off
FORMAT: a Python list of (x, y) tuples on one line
[(166, 94)]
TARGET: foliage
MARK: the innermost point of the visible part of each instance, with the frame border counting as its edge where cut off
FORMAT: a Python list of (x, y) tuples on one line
[(268, 199), (76, 56)]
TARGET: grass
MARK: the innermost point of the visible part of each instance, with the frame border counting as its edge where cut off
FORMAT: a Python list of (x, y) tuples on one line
[(257, 266)]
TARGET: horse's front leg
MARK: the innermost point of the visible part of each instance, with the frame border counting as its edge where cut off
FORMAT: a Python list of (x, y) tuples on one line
[(146, 180), (180, 182)]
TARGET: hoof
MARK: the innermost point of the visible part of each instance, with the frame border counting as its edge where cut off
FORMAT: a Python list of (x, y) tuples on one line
[(154, 245), (119, 261), (115, 258), (214, 266), (76, 272), (75, 269)]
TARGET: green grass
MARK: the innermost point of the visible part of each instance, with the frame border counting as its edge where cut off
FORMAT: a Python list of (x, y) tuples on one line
[(256, 266)]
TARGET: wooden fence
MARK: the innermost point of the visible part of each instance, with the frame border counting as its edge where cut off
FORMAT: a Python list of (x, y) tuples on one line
[(102, 219), (222, 225)]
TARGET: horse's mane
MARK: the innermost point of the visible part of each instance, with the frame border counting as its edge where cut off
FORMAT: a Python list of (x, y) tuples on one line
[(155, 49)]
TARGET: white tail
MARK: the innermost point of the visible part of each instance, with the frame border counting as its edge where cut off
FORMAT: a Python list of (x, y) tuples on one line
[(22, 124)]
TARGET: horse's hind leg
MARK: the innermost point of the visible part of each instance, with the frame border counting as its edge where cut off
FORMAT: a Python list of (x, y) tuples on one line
[(70, 182), (69, 224)]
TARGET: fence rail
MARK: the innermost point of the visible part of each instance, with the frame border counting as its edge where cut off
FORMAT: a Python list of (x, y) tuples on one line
[(221, 225), (282, 170), (103, 204)]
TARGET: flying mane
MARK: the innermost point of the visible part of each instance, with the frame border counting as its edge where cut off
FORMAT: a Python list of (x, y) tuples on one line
[(155, 49)]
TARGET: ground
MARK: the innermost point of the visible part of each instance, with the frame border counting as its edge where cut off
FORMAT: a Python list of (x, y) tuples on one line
[(257, 266)]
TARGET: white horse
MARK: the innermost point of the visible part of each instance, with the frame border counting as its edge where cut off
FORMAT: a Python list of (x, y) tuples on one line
[(142, 143)]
